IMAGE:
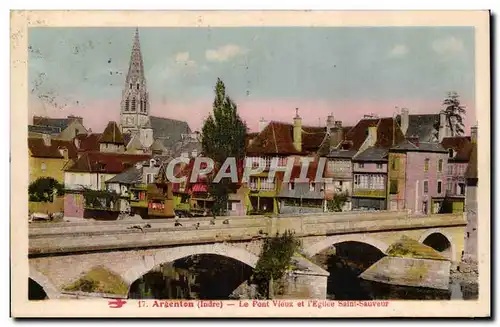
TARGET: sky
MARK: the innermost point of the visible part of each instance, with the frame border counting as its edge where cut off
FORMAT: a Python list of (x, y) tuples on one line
[(268, 71)]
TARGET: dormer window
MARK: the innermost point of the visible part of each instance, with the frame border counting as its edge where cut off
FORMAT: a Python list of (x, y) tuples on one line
[(451, 153)]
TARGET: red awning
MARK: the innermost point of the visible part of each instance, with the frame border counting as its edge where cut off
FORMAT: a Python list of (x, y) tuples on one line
[(199, 188)]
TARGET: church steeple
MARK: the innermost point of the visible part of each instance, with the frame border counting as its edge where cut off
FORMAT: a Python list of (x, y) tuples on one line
[(135, 97)]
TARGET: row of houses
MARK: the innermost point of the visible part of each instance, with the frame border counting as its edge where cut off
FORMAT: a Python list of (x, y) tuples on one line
[(407, 162)]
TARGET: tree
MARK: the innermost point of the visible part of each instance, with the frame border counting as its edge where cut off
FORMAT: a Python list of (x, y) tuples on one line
[(223, 136), (338, 201), (454, 112), (44, 189), (274, 260)]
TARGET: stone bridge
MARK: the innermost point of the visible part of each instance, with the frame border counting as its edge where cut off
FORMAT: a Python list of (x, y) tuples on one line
[(59, 253)]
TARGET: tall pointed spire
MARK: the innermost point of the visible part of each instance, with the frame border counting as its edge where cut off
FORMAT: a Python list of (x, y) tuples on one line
[(135, 97), (136, 67)]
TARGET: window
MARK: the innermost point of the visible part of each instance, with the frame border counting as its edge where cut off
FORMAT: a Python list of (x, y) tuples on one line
[(450, 169), (440, 187), (127, 105), (361, 165), (451, 153), (291, 186), (133, 105), (253, 183), (137, 85), (426, 164), (426, 187), (461, 188), (340, 183), (448, 185), (357, 179), (43, 166), (130, 86), (312, 187), (440, 165), (150, 178), (394, 186), (395, 163), (379, 166)]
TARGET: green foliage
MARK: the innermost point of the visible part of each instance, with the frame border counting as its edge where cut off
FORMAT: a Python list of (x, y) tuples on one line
[(99, 280), (455, 113), (223, 136), (338, 201), (100, 198), (275, 260), (44, 189)]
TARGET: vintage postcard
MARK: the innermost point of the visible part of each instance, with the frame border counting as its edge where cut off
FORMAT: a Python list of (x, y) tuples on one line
[(250, 164)]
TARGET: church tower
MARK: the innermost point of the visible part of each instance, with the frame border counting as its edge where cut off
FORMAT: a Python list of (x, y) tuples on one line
[(134, 107)]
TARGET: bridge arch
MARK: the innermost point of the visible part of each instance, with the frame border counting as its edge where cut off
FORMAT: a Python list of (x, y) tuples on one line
[(49, 288), (147, 263), (335, 239), (439, 239)]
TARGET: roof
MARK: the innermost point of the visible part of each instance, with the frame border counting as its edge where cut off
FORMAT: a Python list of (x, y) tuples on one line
[(60, 123), (129, 176), (275, 138), (186, 147), (471, 171), (372, 154), (169, 131), (88, 142), (462, 145), (44, 129), (332, 139), (312, 138), (158, 146), (422, 126), (408, 146), (388, 133), (106, 162), (38, 148), (112, 134)]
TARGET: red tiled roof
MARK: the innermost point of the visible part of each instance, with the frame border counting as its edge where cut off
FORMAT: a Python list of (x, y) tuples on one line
[(38, 149), (312, 137), (89, 142), (277, 138), (69, 145), (461, 144), (103, 162), (385, 127)]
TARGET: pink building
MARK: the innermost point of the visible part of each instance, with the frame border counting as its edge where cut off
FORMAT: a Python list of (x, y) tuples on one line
[(422, 179)]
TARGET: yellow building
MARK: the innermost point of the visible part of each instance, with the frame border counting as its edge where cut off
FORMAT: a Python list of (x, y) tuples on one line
[(48, 158)]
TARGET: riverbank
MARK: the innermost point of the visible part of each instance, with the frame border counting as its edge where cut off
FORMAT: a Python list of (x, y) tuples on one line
[(466, 276)]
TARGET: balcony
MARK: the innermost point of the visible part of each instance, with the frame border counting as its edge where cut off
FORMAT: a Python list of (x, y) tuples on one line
[(369, 193)]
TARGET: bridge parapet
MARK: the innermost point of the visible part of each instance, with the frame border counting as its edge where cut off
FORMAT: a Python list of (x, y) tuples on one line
[(94, 238)]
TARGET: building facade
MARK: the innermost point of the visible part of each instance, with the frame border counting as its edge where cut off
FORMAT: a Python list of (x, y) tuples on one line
[(423, 167)]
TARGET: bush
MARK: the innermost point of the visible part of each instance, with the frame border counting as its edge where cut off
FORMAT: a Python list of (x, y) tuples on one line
[(274, 261)]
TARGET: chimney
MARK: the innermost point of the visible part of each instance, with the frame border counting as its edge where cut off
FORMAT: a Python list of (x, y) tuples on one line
[(338, 124), (262, 124), (64, 152), (297, 131), (330, 123), (46, 139), (405, 120), (372, 134), (443, 130), (473, 134)]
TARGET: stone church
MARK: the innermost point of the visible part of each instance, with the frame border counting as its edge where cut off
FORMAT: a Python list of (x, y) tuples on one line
[(145, 133)]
